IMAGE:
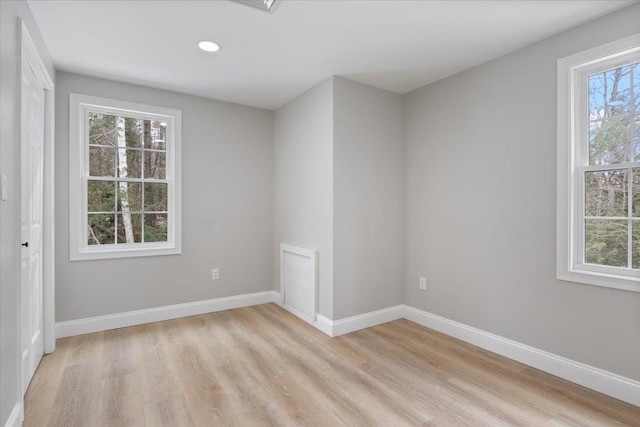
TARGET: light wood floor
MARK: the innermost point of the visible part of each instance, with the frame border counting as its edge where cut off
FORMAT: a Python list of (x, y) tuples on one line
[(262, 366)]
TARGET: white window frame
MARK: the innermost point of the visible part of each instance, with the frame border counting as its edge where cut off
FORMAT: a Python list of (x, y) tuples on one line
[(79, 107), (573, 152)]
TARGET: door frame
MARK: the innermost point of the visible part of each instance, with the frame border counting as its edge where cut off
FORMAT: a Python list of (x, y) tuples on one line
[(31, 57)]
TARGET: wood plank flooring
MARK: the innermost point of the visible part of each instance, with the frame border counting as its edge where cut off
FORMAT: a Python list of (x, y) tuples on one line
[(261, 366)]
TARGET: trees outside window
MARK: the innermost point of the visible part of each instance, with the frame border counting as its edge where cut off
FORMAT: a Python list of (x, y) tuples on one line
[(127, 203), (612, 195), (599, 166)]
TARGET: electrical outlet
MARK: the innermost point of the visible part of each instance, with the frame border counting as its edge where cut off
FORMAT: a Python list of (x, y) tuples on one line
[(215, 274), (423, 284)]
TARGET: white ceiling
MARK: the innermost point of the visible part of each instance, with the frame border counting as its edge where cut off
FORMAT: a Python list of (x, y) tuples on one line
[(266, 60)]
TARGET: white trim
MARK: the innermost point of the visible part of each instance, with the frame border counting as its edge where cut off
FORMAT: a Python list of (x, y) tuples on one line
[(571, 79), (366, 320), (15, 417), (324, 324), (614, 385), (157, 314), (298, 313), (335, 328), (79, 105), (49, 235), (591, 377), (320, 322), (312, 255)]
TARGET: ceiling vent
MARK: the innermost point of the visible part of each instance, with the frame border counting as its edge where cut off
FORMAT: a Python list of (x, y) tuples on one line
[(266, 5)]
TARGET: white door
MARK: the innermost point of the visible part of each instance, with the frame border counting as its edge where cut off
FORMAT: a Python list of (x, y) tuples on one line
[(32, 158)]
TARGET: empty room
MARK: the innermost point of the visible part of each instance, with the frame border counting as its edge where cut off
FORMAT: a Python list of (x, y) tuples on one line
[(319, 213)]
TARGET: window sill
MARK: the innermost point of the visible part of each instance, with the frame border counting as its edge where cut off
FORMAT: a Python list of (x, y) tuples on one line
[(612, 281), (109, 252)]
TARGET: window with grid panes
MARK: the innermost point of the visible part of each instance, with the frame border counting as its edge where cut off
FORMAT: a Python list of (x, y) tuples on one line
[(601, 245), (124, 179)]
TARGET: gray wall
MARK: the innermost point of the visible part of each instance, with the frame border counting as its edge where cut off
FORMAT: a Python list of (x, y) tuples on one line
[(328, 166), (303, 183), (338, 188), (10, 30), (226, 209), (480, 211), (368, 198)]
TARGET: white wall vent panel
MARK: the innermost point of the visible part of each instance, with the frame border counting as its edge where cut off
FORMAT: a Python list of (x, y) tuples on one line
[(298, 280)]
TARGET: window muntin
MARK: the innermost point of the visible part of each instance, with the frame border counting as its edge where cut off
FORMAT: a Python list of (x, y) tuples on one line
[(598, 175), (127, 186), (606, 235), (125, 179)]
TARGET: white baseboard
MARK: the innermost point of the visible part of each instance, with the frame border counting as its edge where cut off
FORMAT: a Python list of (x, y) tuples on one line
[(16, 416), (335, 328), (366, 320), (597, 379), (605, 382), (139, 317), (324, 324)]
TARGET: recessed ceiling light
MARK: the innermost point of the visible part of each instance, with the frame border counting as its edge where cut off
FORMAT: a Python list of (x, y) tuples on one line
[(266, 5), (208, 46)]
